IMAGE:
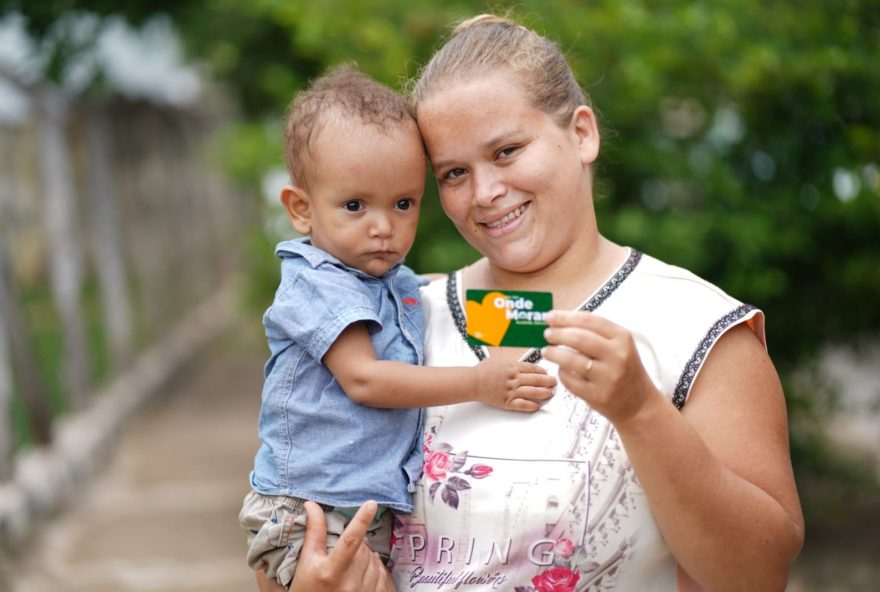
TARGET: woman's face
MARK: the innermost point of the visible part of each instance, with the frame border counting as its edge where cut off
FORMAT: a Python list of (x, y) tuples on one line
[(515, 184)]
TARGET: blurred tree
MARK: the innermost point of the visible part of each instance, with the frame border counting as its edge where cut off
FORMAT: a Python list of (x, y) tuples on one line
[(740, 137)]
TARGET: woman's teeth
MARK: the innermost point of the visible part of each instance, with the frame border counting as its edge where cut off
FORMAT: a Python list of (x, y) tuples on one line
[(509, 217)]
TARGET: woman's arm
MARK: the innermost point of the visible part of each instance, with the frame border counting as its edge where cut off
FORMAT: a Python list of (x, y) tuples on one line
[(350, 567), (717, 475), (516, 386)]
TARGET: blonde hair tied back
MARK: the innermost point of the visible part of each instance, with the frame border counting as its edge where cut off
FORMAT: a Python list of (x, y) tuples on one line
[(486, 44), (483, 19)]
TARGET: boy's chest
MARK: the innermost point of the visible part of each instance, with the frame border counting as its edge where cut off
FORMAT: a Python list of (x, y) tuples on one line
[(403, 326)]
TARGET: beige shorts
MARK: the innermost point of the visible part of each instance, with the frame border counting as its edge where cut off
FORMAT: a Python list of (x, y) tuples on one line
[(276, 525)]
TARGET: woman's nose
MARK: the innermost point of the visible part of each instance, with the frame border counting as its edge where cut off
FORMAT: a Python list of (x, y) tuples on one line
[(487, 187)]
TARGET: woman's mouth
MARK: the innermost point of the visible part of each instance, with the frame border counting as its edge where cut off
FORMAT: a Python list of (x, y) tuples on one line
[(507, 218)]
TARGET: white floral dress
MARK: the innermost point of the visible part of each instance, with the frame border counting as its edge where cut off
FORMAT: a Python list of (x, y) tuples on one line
[(548, 502)]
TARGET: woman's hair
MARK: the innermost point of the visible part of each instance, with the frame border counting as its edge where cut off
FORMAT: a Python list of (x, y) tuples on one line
[(487, 43)]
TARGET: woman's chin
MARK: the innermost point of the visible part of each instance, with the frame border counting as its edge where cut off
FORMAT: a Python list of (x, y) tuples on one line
[(517, 259)]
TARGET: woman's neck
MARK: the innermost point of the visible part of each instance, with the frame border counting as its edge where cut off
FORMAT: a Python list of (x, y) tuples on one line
[(571, 277)]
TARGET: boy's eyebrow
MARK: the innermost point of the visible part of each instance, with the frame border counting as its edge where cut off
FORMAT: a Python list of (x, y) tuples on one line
[(498, 138)]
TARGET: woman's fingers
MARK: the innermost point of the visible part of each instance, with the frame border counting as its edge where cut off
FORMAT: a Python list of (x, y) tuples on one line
[(315, 539), (372, 571), (349, 567), (383, 582), (264, 584), (581, 340), (569, 357), (352, 538), (573, 366), (598, 362), (582, 319)]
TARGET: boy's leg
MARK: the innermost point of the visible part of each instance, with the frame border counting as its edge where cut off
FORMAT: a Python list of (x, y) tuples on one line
[(379, 533), (275, 527)]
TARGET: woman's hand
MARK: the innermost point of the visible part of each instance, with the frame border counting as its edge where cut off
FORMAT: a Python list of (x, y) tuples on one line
[(599, 363), (351, 566)]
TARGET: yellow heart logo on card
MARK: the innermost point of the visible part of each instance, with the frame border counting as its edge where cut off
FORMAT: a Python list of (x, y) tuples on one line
[(485, 320)]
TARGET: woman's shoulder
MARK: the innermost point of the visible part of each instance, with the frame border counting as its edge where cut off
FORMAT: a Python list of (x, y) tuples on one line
[(667, 302), (678, 316), (662, 286)]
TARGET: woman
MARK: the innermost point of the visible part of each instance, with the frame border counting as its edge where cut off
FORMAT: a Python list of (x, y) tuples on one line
[(663, 463)]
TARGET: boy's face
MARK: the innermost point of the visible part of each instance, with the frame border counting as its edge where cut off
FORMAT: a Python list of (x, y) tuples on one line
[(364, 193)]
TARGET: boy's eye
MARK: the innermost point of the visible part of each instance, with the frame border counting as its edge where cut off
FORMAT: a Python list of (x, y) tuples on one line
[(352, 206), (404, 204)]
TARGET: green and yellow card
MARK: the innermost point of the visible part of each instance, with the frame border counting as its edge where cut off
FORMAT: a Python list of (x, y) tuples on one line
[(507, 318)]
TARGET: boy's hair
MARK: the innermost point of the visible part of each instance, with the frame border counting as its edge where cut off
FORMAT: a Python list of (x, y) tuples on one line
[(344, 91)]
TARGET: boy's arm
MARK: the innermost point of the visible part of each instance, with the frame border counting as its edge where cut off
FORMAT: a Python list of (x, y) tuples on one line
[(518, 386)]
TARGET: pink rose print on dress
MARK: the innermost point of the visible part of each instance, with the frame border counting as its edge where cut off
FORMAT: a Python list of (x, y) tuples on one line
[(564, 548), (569, 563), (479, 471), (439, 466), (557, 579)]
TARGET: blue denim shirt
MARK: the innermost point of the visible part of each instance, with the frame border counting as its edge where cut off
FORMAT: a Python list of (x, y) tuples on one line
[(317, 443)]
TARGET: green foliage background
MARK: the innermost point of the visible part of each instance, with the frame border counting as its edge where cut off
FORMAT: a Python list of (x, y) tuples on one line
[(740, 137)]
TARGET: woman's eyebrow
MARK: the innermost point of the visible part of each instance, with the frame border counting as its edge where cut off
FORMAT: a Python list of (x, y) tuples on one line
[(498, 138), (436, 165)]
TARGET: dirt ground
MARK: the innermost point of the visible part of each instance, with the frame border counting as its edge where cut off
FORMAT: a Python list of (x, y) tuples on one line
[(163, 515)]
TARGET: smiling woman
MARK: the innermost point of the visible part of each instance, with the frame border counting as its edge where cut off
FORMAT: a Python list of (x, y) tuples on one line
[(515, 184)]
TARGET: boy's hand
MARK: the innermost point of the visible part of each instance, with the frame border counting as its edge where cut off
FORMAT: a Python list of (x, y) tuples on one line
[(515, 386)]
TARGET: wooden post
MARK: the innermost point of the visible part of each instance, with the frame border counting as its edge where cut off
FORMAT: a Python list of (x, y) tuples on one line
[(6, 385), (109, 261), (13, 333), (62, 235)]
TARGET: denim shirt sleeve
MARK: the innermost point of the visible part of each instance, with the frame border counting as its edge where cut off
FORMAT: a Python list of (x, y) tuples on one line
[(314, 305)]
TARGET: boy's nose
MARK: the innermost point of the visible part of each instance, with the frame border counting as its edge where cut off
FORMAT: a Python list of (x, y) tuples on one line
[(380, 226)]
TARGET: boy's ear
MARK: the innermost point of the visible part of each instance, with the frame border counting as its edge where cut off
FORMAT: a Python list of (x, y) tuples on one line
[(298, 206)]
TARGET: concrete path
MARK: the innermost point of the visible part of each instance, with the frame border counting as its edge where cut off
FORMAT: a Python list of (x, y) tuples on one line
[(163, 515)]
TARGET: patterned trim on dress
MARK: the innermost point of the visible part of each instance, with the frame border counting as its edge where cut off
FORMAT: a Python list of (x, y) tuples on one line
[(458, 315), (679, 396), (534, 356)]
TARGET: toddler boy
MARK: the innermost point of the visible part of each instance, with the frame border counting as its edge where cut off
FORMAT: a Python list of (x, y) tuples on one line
[(341, 422)]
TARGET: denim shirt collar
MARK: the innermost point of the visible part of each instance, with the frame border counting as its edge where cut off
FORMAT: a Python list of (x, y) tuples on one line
[(316, 257)]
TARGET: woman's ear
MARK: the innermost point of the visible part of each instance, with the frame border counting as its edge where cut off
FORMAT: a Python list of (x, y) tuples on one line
[(298, 206), (583, 123)]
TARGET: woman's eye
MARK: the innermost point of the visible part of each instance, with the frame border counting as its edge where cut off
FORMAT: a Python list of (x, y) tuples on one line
[(507, 151), (404, 204), (352, 206), (452, 174)]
